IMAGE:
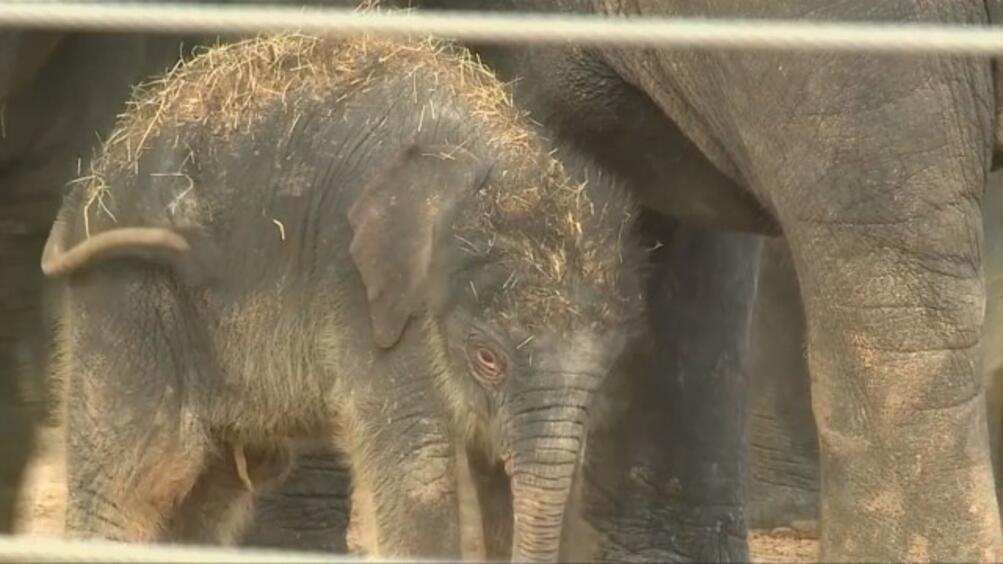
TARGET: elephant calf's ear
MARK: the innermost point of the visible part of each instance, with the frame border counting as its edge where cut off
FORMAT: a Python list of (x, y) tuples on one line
[(394, 230)]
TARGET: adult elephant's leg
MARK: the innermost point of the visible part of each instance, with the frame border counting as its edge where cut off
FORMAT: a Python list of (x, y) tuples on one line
[(783, 473), (665, 481), (783, 443), (310, 509), (17, 435), (992, 339), (25, 218), (886, 234), (875, 166)]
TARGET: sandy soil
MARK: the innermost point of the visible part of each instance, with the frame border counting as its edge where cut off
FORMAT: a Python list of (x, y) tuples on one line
[(782, 545), (43, 502)]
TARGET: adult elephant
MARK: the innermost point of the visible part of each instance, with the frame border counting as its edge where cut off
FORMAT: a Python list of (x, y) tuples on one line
[(873, 169)]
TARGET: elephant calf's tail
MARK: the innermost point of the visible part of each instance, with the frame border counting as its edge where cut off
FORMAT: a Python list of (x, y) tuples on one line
[(152, 243)]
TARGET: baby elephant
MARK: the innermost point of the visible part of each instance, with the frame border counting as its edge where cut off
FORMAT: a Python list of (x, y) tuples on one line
[(355, 240)]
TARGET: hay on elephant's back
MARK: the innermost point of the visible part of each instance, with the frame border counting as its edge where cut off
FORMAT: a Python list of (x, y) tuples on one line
[(227, 88)]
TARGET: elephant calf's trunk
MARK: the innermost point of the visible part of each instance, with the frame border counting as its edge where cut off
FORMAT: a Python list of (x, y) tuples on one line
[(540, 493), (538, 523)]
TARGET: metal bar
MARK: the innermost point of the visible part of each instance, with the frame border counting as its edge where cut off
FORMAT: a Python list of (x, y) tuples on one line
[(46, 549), (510, 27)]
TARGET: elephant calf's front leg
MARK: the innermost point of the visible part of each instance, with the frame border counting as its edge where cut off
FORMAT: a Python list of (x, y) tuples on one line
[(408, 482)]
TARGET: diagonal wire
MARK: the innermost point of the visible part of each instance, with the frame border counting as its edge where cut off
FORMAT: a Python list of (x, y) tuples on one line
[(510, 27)]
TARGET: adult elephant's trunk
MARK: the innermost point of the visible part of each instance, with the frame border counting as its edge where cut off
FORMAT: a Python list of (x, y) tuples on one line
[(545, 459)]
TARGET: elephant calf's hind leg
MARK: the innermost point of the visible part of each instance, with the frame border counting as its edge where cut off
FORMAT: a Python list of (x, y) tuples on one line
[(127, 496), (134, 447)]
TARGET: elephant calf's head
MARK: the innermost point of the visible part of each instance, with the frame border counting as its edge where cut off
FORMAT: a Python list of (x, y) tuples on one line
[(530, 279)]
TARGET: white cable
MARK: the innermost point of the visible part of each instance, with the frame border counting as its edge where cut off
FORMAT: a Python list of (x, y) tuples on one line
[(510, 27), (46, 549)]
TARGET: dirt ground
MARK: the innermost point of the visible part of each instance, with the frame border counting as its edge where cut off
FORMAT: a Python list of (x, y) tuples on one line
[(782, 545), (42, 509)]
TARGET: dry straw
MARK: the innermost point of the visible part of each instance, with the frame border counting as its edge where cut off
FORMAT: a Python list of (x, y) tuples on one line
[(548, 226)]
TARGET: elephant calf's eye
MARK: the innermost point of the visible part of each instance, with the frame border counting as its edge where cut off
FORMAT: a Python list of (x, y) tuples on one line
[(488, 364)]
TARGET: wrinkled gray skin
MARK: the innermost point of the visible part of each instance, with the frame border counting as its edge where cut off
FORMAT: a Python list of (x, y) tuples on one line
[(873, 169), (783, 466), (310, 333), (58, 94)]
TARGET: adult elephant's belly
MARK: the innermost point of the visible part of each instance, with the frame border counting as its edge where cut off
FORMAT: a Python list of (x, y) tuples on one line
[(700, 180), (680, 181)]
